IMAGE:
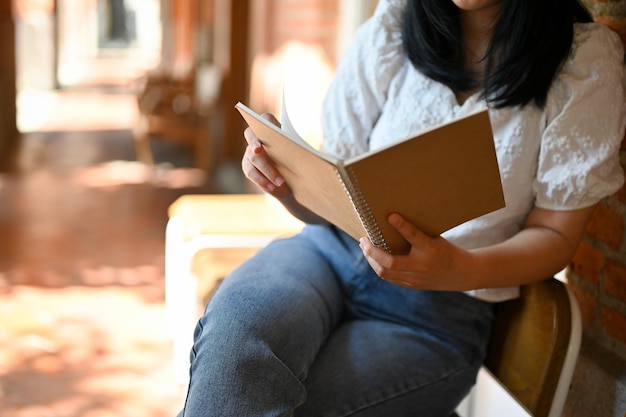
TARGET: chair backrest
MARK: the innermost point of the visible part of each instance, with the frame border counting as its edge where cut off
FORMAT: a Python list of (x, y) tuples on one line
[(535, 345)]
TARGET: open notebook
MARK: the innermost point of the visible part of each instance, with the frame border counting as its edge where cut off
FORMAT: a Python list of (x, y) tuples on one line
[(437, 179)]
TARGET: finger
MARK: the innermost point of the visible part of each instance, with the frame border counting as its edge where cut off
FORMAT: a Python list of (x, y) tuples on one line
[(396, 277), (271, 118), (260, 160), (251, 138), (369, 250), (382, 262), (412, 234), (249, 135), (409, 282), (402, 283), (254, 175), (428, 255)]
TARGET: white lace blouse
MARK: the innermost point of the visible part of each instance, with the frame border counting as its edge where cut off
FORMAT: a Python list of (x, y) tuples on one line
[(563, 157)]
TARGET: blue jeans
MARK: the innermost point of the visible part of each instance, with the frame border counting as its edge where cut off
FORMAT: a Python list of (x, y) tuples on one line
[(306, 328)]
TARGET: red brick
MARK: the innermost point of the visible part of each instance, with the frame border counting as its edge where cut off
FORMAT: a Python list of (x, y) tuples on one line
[(607, 226), (615, 280), (614, 324), (587, 304), (587, 263), (309, 21)]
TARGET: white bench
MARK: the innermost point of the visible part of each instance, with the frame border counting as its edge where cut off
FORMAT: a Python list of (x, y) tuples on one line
[(205, 222)]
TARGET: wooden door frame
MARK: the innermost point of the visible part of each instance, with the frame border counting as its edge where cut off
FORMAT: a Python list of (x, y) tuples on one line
[(231, 55), (9, 135)]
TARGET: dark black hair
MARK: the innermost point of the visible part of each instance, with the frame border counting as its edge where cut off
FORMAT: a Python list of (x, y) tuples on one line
[(530, 42)]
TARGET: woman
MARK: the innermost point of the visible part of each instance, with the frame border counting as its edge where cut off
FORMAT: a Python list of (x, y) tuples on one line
[(308, 328)]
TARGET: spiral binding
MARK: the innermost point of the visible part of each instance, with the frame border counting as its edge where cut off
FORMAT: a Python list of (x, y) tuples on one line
[(366, 216)]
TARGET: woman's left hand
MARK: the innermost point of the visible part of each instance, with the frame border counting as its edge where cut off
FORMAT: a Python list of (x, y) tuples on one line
[(433, 263), (544, 246)]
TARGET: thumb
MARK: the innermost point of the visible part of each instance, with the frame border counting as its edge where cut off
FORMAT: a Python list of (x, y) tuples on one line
[(408, 230)]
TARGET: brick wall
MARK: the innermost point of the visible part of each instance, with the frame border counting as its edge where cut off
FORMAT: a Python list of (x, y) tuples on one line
[(308, 21), (598, 272)]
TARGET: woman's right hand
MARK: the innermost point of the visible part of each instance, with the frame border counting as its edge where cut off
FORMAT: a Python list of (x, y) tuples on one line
[(259, 168)]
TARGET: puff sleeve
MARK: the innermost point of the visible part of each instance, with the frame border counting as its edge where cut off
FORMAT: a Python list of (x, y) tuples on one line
[(579, 153)]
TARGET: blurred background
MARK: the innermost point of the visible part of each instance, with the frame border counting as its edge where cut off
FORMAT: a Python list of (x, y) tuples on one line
[(109, 111)]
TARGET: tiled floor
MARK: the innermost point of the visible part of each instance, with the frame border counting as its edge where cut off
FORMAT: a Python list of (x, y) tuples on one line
[(81, 269)]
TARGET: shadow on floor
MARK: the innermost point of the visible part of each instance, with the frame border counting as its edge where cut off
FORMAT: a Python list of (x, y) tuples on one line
[(81, 277)]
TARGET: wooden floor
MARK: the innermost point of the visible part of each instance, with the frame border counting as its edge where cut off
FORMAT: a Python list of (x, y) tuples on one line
[(81, 268)]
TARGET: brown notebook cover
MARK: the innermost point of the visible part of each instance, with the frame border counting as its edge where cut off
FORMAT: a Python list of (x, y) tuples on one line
[(437, 180)]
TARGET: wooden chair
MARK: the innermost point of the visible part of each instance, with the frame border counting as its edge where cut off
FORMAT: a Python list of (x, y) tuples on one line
[(532, 355), (177, 109)]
